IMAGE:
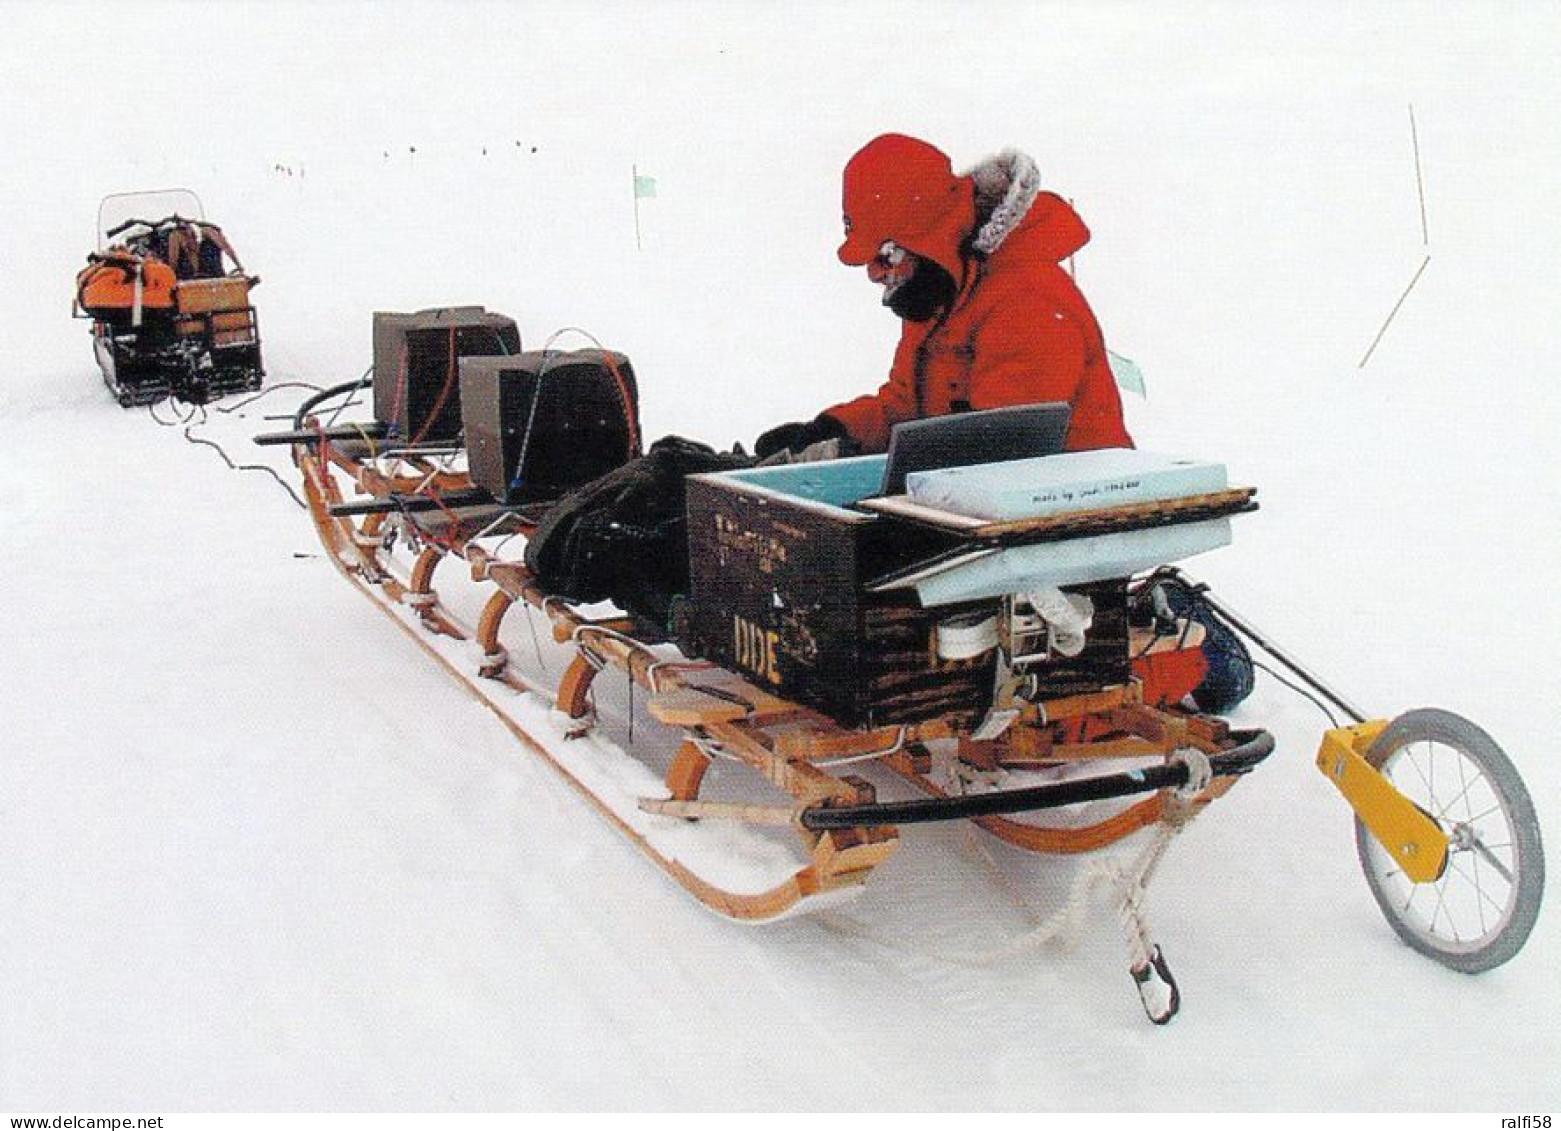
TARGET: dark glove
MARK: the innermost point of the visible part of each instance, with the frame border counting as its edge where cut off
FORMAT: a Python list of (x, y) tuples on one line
[(799, 435)]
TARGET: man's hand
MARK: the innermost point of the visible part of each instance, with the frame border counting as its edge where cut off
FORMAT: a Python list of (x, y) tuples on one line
[(799, 435)]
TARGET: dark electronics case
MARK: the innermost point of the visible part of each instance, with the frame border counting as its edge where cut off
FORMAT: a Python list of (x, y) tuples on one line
[(416, 366), (542, 423)]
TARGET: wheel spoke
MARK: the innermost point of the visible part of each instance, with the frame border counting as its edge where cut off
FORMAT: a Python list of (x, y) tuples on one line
[(1441, 909), (1479, 896), (1496, 808), (1483, 894), (1482, 852), (1443, 813), (1409, 756)]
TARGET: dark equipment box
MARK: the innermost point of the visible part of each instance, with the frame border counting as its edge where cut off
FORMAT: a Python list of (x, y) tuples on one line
[(540, 424), (416, 366), (780, 592)]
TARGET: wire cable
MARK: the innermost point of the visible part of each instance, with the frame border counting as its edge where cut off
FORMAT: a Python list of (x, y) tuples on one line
[(1299, 690), (310, 403), (364, 379), (271, 471), (247, 401)]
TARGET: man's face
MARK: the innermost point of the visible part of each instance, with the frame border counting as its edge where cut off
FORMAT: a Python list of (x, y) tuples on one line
[(914, 288), (892, 269)]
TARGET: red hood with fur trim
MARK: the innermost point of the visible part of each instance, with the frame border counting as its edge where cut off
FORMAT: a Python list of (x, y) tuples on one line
[(1051, 230)]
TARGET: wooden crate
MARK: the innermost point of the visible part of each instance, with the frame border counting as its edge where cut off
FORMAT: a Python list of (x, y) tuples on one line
[(228, 327), (233, 328), (782, 592), (196, 296), (777, 594)]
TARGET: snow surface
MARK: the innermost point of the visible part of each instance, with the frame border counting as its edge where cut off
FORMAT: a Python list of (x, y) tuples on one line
[(258, 853)]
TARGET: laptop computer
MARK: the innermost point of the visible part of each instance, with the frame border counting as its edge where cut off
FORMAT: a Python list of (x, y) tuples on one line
[(965, 439)]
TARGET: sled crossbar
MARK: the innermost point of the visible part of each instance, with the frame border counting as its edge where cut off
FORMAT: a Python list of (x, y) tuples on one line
[(1252, 747), (405, 504), (373, 430)]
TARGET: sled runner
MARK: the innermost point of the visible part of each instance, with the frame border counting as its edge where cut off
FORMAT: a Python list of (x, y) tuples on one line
[(1033, 674), (169, 316)]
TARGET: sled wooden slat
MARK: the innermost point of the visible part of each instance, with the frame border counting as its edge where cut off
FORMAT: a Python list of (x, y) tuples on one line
[(720, 810), (1103, 520), (903, 506), (1105, 748), (689, 707)]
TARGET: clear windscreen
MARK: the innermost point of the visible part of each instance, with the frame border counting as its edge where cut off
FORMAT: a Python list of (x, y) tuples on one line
[(152, 206)]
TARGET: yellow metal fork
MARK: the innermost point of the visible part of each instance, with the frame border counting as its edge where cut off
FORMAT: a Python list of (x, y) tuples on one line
[(1404, 830)]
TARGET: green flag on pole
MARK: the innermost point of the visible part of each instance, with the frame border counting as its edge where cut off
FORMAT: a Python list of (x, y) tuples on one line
[(1127, 374), (643, 187)]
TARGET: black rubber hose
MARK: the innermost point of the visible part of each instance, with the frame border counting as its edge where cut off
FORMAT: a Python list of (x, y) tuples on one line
[(326, 394), (1252, 747)]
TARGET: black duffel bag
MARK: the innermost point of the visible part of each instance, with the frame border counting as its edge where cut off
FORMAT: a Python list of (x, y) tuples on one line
[(624, 536)]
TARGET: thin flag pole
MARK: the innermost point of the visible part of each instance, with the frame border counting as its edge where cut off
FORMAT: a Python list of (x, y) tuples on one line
[(1392, 314), (1414, 137)]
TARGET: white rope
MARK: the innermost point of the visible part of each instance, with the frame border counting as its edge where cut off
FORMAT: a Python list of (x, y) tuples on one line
[(548, 600), (1060, 923), (1199, 772), (491, 527), (710, 748), (611, 634), (582, 725), (653, 674), (1131, 884), (1134, 891)]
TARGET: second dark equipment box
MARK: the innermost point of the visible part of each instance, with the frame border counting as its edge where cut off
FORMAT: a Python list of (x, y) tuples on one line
[(542, 423)]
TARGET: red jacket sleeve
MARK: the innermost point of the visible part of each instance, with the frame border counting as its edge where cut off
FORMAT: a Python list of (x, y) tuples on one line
[(868, 418)]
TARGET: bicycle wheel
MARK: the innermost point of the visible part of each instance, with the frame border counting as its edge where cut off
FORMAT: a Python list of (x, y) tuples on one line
[(1480, 910)]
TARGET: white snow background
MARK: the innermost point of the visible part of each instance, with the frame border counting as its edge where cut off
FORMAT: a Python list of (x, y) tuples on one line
[(257, 853)]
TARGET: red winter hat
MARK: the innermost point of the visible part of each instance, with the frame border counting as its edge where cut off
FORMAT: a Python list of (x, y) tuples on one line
[(901, 189)]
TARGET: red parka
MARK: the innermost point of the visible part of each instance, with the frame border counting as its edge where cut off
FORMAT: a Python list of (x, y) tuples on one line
[(1019, 331)]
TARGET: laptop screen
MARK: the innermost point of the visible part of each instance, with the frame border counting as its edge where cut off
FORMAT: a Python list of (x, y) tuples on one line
[(968, 438)]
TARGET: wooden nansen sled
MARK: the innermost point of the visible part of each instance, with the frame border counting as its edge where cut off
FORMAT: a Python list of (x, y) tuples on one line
[(1030, 675)]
